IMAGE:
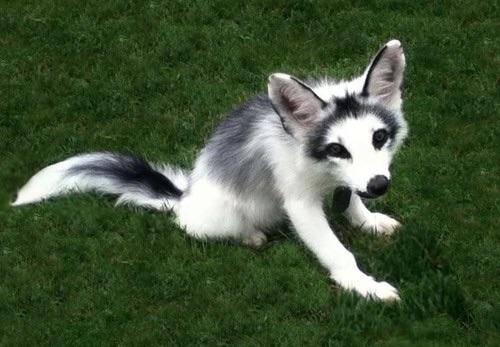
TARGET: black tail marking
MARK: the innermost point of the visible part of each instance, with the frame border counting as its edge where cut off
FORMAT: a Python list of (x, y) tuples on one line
[(133, 173)]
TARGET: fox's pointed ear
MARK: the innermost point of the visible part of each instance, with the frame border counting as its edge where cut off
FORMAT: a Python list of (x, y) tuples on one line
[(297, 104), (384, 75)]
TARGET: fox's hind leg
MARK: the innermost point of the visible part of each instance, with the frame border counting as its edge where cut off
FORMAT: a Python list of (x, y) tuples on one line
[(208, 212)]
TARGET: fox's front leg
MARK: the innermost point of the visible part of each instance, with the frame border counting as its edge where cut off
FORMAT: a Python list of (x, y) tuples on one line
[(311, 225), (360, 216)]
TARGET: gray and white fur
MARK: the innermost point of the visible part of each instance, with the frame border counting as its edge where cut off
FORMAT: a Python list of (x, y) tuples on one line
[(274, 157)]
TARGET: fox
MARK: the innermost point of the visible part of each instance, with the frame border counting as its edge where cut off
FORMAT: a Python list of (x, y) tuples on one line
[(274, 158)]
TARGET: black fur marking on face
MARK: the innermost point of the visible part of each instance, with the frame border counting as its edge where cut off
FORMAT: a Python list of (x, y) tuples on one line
[(336, 150), (392, 125), (349, 106)]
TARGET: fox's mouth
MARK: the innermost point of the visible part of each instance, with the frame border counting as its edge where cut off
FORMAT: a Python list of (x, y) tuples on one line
[(342, 197), (367, 195)]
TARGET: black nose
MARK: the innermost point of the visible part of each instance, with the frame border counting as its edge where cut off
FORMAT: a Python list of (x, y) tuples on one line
[(378, 185)]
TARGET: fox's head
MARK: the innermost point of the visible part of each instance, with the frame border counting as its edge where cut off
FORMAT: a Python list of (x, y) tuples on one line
[(352, 128)]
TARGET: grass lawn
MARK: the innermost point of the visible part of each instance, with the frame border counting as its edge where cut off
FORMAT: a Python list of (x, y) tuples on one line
[(155, 77)]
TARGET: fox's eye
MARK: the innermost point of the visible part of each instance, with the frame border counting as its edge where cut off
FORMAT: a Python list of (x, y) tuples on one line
[(380, 138), (338, 151)]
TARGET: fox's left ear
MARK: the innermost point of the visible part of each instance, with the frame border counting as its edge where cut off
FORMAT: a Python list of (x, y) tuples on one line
[(297, 104), (384, 75)]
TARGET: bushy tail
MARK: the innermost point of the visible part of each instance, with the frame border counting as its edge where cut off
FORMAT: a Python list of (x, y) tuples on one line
[(133, 179)]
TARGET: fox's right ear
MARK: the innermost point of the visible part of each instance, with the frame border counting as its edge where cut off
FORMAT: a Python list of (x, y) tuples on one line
[(297, 104), (384, 75)]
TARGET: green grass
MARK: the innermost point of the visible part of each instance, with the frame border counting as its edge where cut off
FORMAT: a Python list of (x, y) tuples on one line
[(154, 77)]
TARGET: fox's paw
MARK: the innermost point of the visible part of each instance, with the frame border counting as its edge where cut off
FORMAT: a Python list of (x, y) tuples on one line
[(255, 239), (366, 286), (379, 223)]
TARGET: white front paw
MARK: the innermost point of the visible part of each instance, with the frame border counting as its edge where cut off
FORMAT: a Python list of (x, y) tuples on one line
[(366, 285), (380, 224)]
